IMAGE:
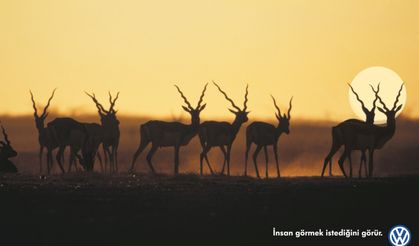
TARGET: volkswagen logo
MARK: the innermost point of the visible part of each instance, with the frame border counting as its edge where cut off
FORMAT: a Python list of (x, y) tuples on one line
[(399, 235)]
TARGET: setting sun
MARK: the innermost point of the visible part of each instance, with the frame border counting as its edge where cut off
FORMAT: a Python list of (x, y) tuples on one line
[(390, 83)]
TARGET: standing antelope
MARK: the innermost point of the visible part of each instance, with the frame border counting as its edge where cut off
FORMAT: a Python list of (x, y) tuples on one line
[(264, 134), (338, 141), (6, 152), (214, 133), (359, 135), (111, 133), (169, 134), (46, 139), (369, 120)]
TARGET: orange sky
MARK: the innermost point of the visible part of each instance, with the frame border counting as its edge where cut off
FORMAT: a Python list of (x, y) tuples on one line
[(308, 49)]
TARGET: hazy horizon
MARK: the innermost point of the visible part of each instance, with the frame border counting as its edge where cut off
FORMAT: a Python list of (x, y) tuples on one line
[(301, 152), (185, 117)]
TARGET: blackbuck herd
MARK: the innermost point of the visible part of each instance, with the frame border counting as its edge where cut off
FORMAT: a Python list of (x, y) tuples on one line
[(363, 135), (84, 139)]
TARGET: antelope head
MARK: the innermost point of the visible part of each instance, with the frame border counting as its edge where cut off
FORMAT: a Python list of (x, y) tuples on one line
[(391, 113), (107, 117), (194, 112), (88, 153), (6, 148), (283, 120), (87, 160), (241, 114), (40, 119), (369, 114)]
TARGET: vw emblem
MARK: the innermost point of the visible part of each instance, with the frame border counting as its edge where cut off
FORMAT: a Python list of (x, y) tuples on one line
[(399, 235)]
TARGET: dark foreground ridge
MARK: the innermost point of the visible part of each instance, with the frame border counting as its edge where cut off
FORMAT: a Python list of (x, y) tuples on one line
[(64, 210)]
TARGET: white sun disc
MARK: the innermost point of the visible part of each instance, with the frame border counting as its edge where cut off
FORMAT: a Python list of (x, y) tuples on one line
[(390, 83)]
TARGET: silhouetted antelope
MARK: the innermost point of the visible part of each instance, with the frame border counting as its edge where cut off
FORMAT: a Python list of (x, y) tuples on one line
[(264, 134), (63, 130), (338, 141), (359, 135), (214, 133), (87, 144), (369, 120), (6, 152), (169, 134), (79, 136), (45, 137), (111, 133)]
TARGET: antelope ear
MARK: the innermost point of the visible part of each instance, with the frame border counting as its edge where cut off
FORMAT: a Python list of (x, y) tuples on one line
[(186, 109), (399, 107), (234, 112), (202, 107), (381, 110)]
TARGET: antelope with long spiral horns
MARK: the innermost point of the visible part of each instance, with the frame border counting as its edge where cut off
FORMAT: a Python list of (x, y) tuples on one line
[(264, 134), (169, 134), (111, 132), (6, 152), (359, 135), (46, 138), (338, 141), (222, 134)]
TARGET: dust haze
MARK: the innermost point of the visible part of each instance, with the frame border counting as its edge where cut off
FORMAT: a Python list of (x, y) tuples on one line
[(301, 153)]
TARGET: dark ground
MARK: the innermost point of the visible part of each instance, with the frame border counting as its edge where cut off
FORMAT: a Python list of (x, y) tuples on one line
[(69, 209)]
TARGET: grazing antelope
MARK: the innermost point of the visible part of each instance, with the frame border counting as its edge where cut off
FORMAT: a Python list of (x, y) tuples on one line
[(264, 134), (88, 144), (46, 139), (359, 135), (214, 133), (338, 141), (6, 152), (169, 134), (62, 130), (111, 133)]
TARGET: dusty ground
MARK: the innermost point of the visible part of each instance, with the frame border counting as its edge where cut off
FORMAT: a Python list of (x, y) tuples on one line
[(125, 209)]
